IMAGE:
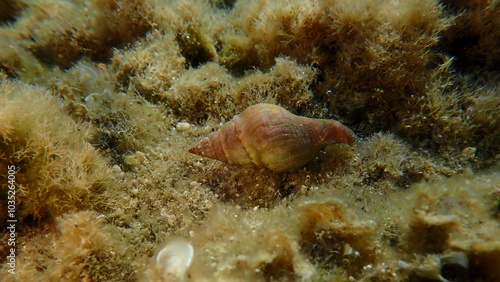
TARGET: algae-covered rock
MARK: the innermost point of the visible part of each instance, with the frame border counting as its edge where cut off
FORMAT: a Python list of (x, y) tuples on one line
[(101, 100)]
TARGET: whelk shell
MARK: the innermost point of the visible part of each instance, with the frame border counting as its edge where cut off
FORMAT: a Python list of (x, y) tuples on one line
[(269, 136)]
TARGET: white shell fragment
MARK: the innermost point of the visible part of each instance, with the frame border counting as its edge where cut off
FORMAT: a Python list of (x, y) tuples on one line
[(174, 259)]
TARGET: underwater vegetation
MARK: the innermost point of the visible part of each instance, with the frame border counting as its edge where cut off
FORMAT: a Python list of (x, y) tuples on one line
[(59, 170), (101, 102)]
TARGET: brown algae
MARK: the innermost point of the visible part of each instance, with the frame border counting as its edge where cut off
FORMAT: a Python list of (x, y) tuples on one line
[(100, 101)]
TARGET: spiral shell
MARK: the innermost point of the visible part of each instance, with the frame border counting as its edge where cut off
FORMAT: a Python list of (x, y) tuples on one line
[(269, 136)]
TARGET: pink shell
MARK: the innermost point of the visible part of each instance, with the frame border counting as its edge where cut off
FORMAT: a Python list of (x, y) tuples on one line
[(269, 136)]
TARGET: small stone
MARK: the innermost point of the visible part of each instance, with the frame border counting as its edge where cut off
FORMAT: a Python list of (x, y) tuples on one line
[(117, 170), (469, 152), (135, 159), (183, 126)]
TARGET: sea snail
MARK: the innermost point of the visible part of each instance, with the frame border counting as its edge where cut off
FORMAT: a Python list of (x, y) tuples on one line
[(269, 136)]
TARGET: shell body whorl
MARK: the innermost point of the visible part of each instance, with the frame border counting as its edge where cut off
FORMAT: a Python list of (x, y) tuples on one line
[(272, 137)]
